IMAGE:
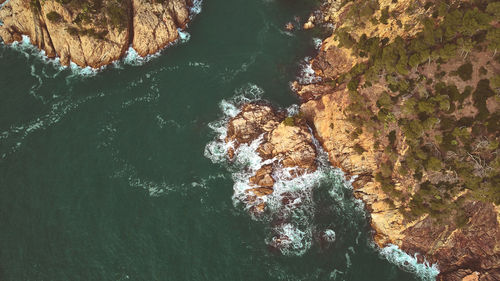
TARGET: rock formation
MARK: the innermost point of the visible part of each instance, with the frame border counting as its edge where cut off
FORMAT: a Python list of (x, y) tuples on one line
[(285, 142), (94, 33), (466, 243)]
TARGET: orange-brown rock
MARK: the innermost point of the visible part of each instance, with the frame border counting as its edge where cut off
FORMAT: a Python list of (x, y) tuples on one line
[(466, 252), (459, 251), (97, 35), (251, 122), (282, 144), (156, 22), (263, 177)]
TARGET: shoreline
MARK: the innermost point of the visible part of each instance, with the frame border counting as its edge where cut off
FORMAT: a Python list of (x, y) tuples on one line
[(130, 54)]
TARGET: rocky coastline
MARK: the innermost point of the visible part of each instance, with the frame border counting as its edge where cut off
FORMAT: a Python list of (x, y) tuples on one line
[(465, 240), (94, 34)]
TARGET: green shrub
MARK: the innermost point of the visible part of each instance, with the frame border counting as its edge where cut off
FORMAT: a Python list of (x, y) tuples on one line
[(353, 84), (358, 149), (35, 5), (384, 15), (483, 71), (289, 121), (480, 95), (386, 169), (73, 31), (117, 16), (433, 164), (392, 137), (54, 17)]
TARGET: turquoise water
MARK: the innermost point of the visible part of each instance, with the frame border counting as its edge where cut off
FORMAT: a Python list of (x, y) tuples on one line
[(104, 176)]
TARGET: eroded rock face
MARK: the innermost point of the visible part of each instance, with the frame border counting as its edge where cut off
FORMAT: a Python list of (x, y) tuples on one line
[(282, 145), (98, 36), (328, 117), (155, 24), (459, 251)]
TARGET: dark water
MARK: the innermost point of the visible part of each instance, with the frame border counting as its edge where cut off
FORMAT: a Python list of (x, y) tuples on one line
[(104, 177)]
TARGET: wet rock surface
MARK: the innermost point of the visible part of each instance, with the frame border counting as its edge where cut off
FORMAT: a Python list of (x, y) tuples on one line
[(284, 142)]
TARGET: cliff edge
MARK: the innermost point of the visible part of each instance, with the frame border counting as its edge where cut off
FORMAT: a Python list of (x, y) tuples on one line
[(409, 105), (94, 33)]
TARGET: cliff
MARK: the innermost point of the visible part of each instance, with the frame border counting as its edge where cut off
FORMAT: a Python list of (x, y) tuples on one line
[(409, 105), (94, 33)]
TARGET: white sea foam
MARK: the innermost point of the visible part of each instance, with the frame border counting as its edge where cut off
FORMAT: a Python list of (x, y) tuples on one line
[(307, 74), (14, 137), (195, 9), (293, 234), (4, 3), (329, 235), (424, 271), (291, 240), (1, 6), (291, 200), (125, 170), (317, 42), (204, 182), (131, 57)]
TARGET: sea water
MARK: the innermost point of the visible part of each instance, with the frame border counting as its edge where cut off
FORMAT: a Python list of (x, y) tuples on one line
[(120, 173)]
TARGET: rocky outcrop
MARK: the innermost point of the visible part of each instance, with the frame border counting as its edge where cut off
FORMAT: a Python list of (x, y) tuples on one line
[(469, 251), (94, 34), (460, 251), (285, 142), (357, 157), (465, 244), (155, 24)]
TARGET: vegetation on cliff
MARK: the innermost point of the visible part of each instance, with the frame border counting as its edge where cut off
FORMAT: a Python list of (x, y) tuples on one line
[(444, 135), (409, 103), (94, 32)]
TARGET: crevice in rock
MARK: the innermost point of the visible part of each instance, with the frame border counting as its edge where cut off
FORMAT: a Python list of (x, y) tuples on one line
[(130, 26)]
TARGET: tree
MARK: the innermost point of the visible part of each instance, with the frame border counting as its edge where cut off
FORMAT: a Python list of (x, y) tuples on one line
[(495, 82), (465, 71), (386, 169), (385, 101), (426, 106), (345, 38), (414, 60), (409, 106), (473, 21), (384, 15), (448, 51), (429, 32), (451, 23), (493, 9), (353, 84), (433, 164)]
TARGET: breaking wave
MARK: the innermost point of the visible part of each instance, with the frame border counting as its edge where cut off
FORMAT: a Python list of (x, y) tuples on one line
[(131, 57), (293, 230), (307, 74), (425, 271), (290, 208)]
